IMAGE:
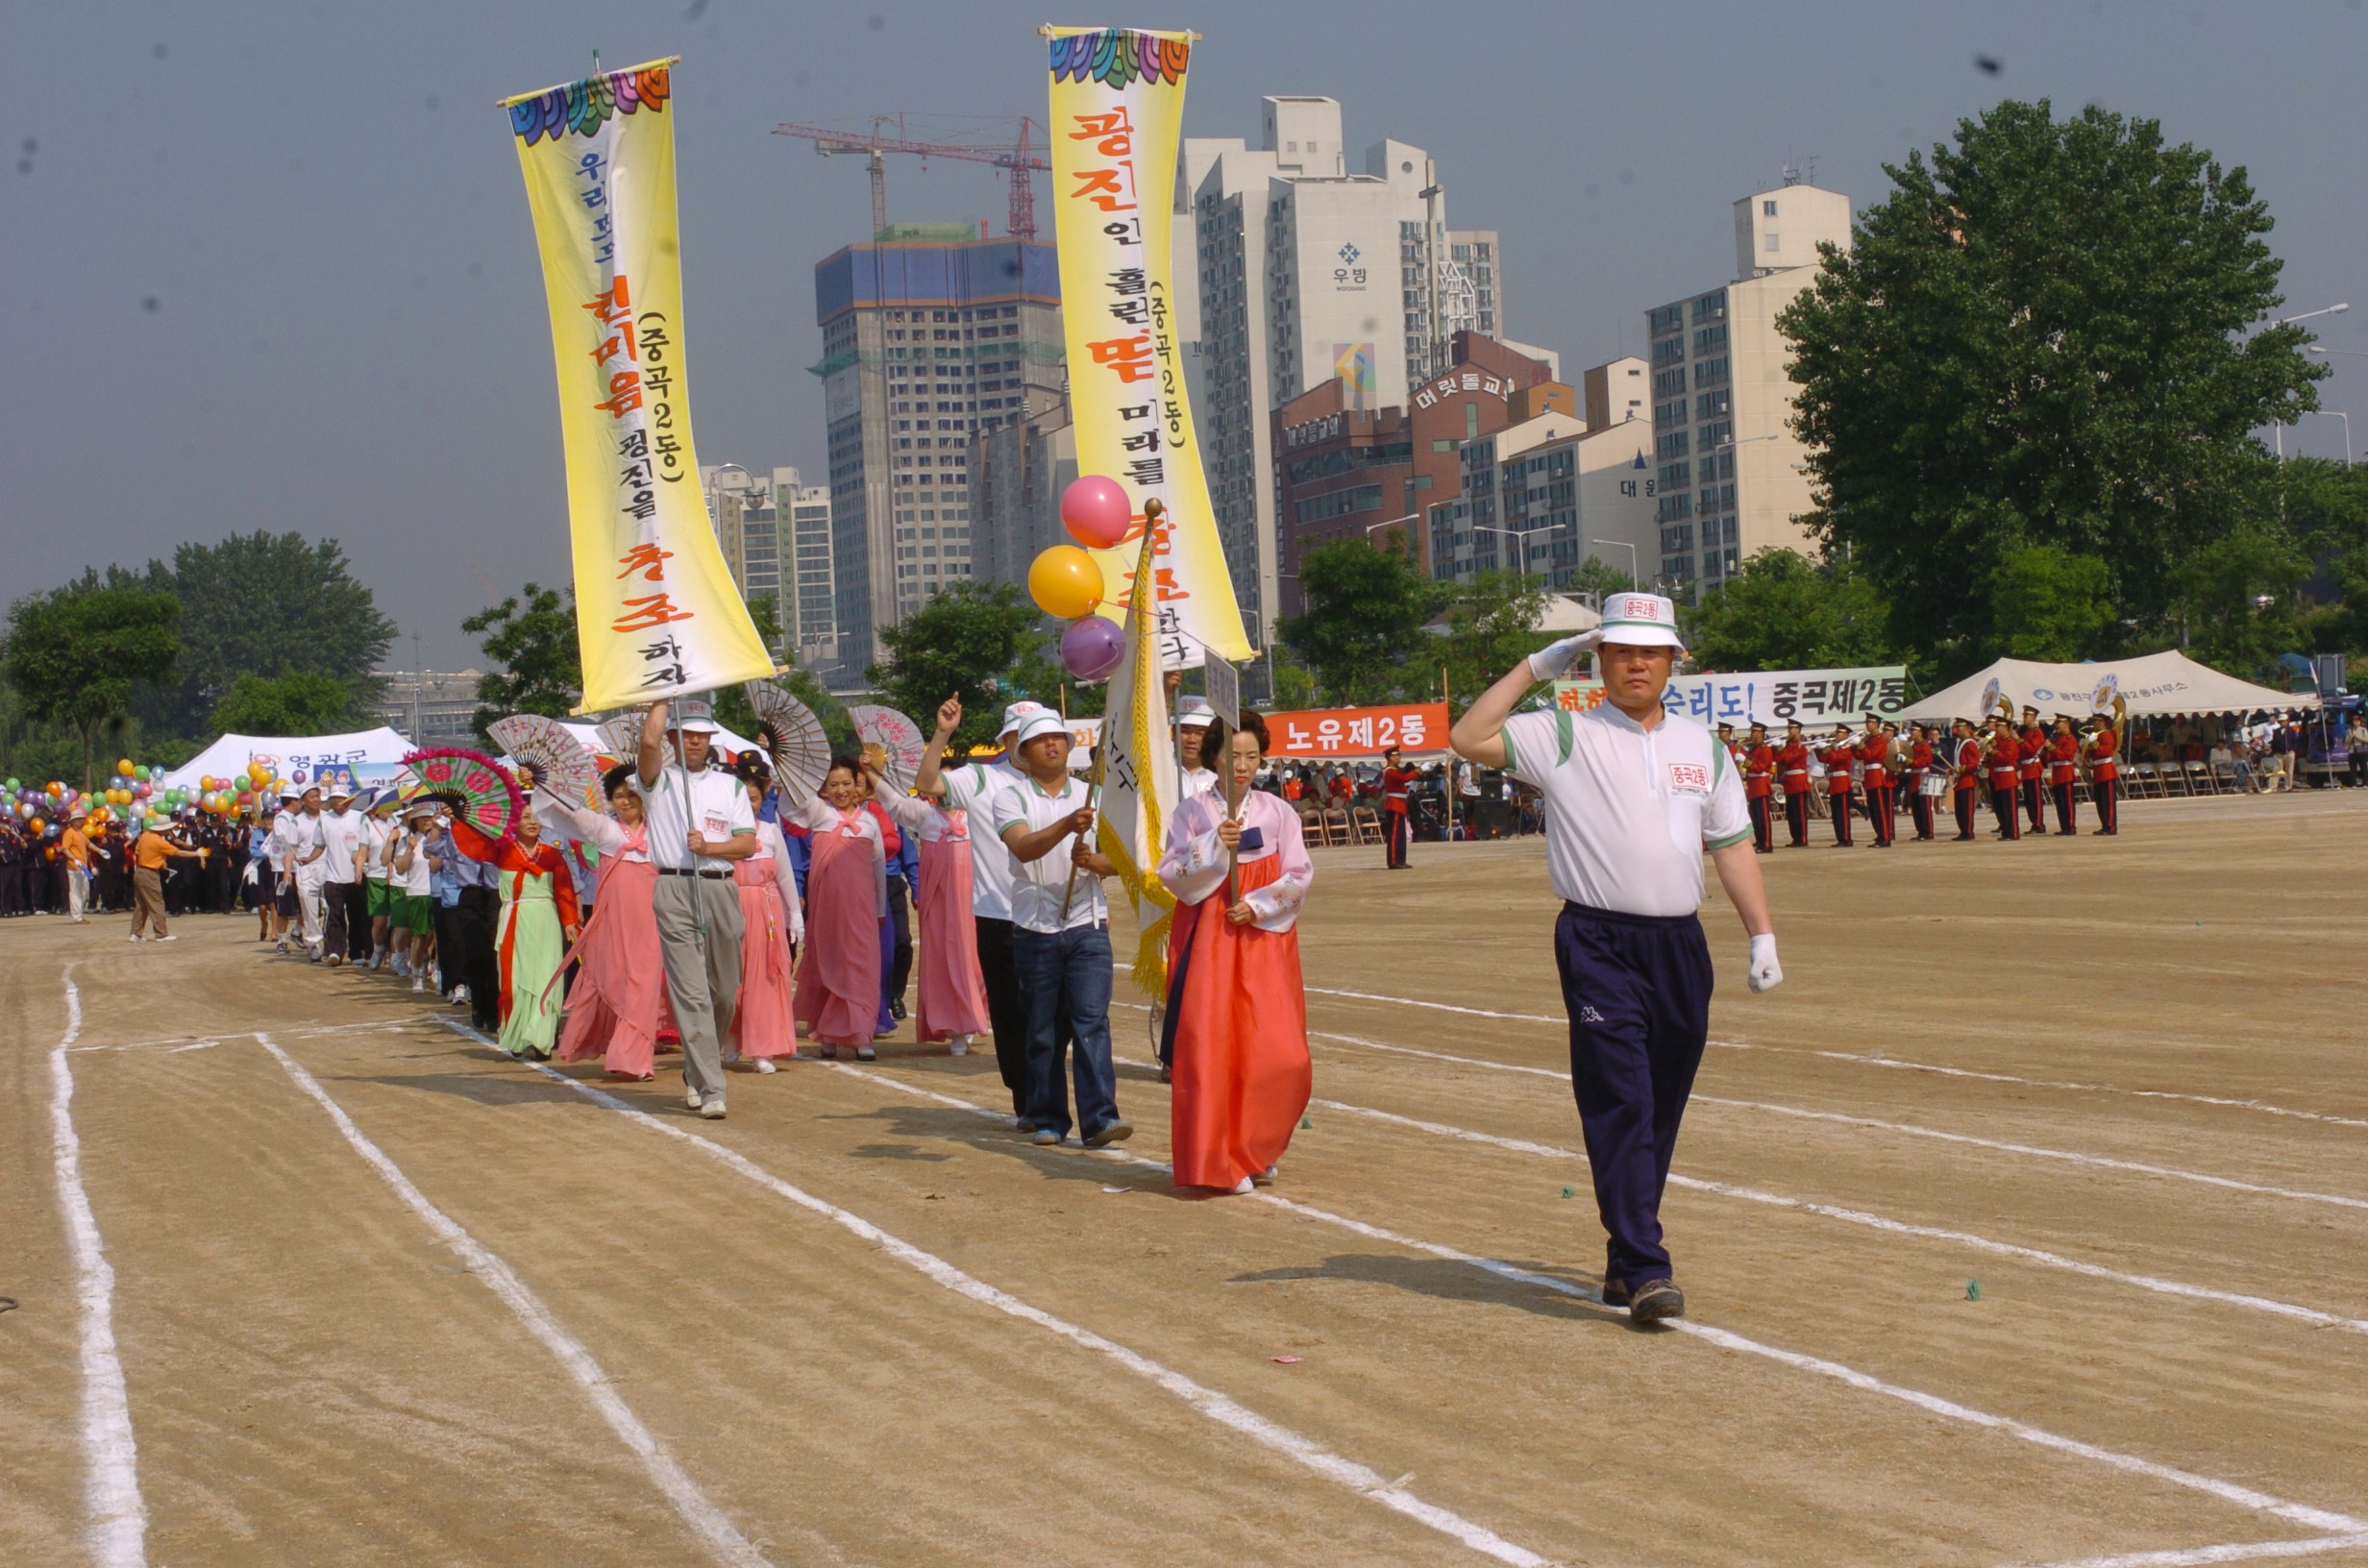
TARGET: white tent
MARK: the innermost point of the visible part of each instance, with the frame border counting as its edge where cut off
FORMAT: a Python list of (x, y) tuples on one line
[(371, 756), (2154, 683)]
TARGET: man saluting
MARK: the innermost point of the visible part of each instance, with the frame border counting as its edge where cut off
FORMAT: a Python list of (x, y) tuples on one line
[(1634, 796)]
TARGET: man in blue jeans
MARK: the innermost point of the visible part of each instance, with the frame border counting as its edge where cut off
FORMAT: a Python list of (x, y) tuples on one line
[(1060, 945)]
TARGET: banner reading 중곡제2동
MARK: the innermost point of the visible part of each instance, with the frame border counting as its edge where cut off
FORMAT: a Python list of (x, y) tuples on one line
[(656, 614), (1118, 103)]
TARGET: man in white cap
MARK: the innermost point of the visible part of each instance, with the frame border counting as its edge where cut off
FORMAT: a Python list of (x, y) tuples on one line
[(344, 906), (698, 823), (1633, 794), (967, 789), (1193, 717)]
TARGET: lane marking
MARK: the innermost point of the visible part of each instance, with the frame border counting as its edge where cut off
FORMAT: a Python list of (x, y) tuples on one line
[(1208, 1402), (724, 1542), (200, 1043), (2095, 1161), (2244, 1497), (2232, 1552), (118, 1529), (1894, 1226), (1894, 1063)]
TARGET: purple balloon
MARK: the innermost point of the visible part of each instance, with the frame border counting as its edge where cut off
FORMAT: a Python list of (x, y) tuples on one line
[(1092, 647)]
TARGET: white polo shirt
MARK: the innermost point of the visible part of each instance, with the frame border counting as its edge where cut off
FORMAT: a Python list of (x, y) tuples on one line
[(1629, 811), (968, 788), (1039, 886), (343, 836), (719, 809)]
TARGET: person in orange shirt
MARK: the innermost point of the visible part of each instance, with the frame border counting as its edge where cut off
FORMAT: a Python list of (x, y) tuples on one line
[(1881, 788), (154, 851), (1838, 754), (2064, 755), (1792, 772), (1758, 786), (2104, 774), (2005, 755), (76, 850)]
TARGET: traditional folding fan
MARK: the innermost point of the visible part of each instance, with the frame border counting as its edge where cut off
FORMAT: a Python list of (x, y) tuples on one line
[(791, 736), (480, 791), (560, 763), (897, 737), (622, 734)]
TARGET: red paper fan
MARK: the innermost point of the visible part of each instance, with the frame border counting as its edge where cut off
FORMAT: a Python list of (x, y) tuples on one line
[(481, 793)]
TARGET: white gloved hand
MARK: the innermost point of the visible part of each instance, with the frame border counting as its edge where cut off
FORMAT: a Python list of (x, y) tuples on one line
[(1764, 973), (1549, 663)]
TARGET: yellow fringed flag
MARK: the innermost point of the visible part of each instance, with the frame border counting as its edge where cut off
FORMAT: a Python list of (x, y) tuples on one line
[(1139, 781)]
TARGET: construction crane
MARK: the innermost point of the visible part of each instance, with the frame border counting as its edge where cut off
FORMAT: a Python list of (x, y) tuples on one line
[(887, 135)]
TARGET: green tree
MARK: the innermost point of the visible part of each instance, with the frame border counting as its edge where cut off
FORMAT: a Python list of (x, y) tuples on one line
[(2239, 600), (264, 605), (1361, 635), (981, 641), (1600, 577), (1490, 625), (2050, 604), (303, 704), (531, 641), (72, 655), (2051, 333), (1783, 611)]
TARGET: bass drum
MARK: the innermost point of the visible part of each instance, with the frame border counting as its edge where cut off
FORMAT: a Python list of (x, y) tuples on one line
[(1935, 784)]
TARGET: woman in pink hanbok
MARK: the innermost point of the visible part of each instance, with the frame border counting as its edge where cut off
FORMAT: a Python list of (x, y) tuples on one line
[(837, 996), (772, 924), (954, 993), (619, 1000)]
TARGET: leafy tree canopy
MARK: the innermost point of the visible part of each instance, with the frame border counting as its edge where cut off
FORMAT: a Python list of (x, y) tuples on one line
[(1783, 611), (530, 639), (72, 655), (1361, 635), (2053, 333), (304, 703), (982, 641), (1489, 629)]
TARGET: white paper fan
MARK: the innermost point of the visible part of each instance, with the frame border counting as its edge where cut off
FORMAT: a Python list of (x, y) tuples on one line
[(560, 763), (897, 737), (622, 734), (791, 736)]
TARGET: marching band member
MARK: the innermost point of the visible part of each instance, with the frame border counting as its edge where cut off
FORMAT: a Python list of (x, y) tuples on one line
[(2005, 757), (2032, 745), (1919, 768), (1792, 772), (1759, 785), (1838, 754), (2104, 774), (1881, 788), (1967, 775), (2064, 752)]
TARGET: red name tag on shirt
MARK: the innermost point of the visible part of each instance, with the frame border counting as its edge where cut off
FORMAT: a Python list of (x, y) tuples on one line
[(1689, 775), (715, 827)]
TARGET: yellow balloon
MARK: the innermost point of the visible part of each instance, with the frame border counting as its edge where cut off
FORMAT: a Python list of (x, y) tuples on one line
[(1065, 582)]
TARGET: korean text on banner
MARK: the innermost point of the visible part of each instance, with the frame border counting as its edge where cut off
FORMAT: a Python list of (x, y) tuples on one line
[(1819, 699), (1118, 101), (1413, 728), (656, 614)]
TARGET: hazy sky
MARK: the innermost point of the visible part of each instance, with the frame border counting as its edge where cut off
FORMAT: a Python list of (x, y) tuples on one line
[(270, 266)]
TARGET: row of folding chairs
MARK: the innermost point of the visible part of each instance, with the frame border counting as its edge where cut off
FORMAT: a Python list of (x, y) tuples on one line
[(1340, 825), (2160, 780)]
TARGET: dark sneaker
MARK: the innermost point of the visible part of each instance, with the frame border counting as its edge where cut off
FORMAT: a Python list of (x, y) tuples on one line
[(1653, 1300), (1114, 1132)]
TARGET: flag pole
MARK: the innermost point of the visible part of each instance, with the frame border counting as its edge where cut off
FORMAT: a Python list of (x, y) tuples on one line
[(1136, 628)]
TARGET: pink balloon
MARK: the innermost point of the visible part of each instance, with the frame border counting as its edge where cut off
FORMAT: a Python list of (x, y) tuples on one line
[(1092, 647), (1095, 512)]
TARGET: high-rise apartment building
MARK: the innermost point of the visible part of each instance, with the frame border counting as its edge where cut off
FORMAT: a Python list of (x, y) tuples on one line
[(1307, 273), (1733, 478), (1016, 483), (809, 615), (930, 337)]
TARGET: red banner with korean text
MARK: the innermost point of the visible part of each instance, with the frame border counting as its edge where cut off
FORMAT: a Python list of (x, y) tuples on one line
[(1117, 107), (656, 613), (1416, 728)]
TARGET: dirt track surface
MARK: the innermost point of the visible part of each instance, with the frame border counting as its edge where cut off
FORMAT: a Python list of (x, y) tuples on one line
[(865, 1324)]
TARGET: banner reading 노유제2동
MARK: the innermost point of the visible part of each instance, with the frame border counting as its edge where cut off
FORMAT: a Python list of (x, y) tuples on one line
[(656, 613), (1118, 103)]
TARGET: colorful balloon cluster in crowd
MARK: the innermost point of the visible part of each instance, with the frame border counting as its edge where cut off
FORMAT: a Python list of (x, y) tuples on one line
[(137, 792), (1067, 582)]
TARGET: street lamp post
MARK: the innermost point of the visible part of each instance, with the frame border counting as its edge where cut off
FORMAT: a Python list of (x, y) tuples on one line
[(1520, 568), (1636, 583), (2276, 432)]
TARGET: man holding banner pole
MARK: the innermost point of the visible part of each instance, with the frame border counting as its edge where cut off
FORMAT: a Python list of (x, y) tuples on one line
[(698, 823)]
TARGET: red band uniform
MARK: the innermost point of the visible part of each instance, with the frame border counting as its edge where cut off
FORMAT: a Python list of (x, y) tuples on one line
[(1759, 790), (1792, 772), (1836, 759), (1882, 796)]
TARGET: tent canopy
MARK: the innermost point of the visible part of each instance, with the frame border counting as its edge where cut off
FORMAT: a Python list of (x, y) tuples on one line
[(2151, 684), (373, 757)]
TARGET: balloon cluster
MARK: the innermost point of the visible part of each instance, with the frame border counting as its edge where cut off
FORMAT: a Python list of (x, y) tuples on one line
[(1067, 582), (135, 793)]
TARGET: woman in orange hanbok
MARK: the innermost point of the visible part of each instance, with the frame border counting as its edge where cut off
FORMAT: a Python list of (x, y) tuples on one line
[(1236, 1019)]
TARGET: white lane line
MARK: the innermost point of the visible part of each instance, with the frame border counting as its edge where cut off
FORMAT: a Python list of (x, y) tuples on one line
[(724, 1542), (2094, 1161), (2232, 1552), (118, 1517), (1895, 1064), (2243, 1497), (200, 1043), (1218, 1408), (1894, 1226)]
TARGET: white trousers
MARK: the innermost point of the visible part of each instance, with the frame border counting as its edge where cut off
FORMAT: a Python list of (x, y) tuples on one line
[(310, 879)]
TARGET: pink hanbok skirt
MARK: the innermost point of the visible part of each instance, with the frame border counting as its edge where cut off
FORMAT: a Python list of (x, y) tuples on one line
[(837, 998), (619, 1001), (761, 1024), (953, 994)]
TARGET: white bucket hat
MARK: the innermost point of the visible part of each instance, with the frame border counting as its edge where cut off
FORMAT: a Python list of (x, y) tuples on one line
[(1042, 721), (1640, 621), (1019, 714)]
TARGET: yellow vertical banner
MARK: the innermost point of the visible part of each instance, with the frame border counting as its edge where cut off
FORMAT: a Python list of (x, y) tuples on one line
[(656, 612), (1118, 106)]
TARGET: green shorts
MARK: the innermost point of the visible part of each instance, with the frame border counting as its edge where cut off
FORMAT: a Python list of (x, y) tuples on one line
[(416, 916), (383, 897)]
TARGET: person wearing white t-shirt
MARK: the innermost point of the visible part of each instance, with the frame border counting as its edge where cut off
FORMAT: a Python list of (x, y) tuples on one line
[(345, 915), (1634, 796), (698, 823), (967, 789)]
